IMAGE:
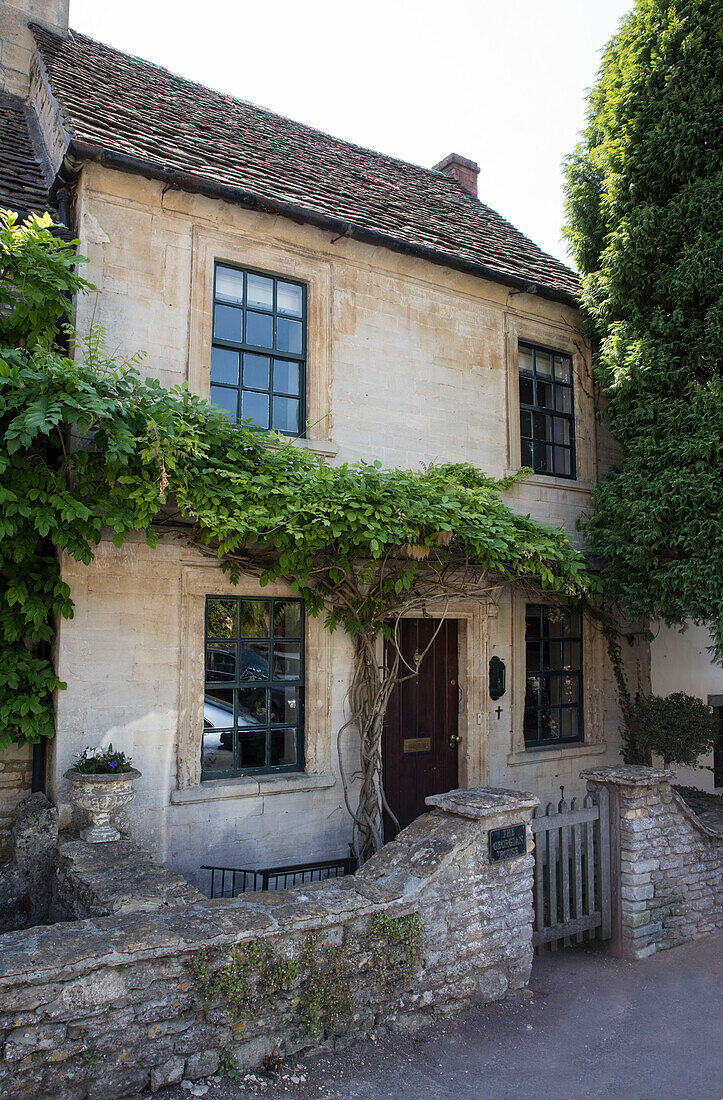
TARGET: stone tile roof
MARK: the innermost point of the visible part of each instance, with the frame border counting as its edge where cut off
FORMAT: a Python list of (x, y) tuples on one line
[(129, 113), (23, 183)]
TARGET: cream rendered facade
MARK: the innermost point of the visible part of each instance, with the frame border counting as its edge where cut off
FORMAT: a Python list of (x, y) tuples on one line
[(408, 362)]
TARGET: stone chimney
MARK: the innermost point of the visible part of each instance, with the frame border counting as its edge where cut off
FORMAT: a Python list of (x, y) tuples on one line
[(464, 171), (16, 41)]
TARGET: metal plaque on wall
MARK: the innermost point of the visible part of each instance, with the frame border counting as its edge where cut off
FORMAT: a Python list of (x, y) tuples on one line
[(507, 843)]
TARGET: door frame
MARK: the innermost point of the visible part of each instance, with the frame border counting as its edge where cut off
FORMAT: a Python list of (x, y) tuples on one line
[(472, 672)]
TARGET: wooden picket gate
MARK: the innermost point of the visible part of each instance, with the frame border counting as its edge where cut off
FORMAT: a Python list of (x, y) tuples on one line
[(572, 872)]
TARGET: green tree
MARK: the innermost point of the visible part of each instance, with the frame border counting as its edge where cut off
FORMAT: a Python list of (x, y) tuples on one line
[(678, 727), (645, 212)]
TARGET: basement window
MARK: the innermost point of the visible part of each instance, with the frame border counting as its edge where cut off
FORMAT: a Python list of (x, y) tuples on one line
[(553, 696), (254, 687), (258, 357), (547, 417)]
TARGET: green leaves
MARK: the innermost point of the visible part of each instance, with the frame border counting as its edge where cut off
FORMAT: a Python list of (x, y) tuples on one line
[(645, 209)]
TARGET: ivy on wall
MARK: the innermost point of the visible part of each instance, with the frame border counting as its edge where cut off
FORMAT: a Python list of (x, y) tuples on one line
[(90, 446), (645, 209)]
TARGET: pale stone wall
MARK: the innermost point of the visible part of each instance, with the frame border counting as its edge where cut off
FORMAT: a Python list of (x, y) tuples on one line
[(16, 41), (680, 661), (668, 862), (16, 772), (104, 1007), (408, 363)]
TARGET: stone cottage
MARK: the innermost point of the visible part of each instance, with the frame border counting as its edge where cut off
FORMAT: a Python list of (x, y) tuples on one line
[(371, 309)]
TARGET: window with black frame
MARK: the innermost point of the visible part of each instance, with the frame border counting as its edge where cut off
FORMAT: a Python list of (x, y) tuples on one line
[(253, 714), (553, 696), (547, 415), (258, 358)]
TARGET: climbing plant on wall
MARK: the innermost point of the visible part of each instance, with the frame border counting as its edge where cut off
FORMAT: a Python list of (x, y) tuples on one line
[(90, 445), (645, 208)]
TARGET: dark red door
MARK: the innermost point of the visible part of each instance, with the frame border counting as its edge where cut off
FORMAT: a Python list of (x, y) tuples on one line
[(419, 746)]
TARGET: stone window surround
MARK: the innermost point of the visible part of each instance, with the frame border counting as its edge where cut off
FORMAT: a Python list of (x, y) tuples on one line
[(211, 246), (593, 645), (197, 581), (541, 333)]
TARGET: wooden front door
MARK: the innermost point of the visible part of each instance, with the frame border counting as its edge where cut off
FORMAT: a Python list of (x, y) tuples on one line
[(419, 746)]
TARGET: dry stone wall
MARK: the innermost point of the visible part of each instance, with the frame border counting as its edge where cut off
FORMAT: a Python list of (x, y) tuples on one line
[(105, 1007), (16, 768), (669, 863)]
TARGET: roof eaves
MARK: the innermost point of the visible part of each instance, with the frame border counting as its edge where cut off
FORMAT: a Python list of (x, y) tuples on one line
[(79, 151)]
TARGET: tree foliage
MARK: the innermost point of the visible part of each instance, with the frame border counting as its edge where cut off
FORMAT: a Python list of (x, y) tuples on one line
[(678, 727), (645, 209), (91, 446)]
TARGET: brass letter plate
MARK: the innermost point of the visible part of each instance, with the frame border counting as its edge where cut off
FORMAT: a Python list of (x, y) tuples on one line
[(418, 744)]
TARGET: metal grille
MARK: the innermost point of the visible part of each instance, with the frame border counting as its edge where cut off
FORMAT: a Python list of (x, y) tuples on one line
[(229, 882)]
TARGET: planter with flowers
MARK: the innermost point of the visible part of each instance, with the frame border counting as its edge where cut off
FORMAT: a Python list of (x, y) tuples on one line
[(101, 783)]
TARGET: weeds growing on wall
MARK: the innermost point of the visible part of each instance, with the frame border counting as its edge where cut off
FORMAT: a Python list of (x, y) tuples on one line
[(326, 982), (89, 445)]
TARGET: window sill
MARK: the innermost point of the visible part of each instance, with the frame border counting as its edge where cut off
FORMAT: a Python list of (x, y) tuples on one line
[(324, 448), (250, 786), (545, 481), (540, 756)]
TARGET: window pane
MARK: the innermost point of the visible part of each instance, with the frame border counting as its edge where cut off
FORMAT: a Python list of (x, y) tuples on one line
[(543, 364), (526, 458), (288, 336), (533, 656), (255, 618), (562, 368), (287, 661), (526, 388), (563, 399), (287, 619), (550, 725), (218, 707), (532, 623), (283, 747), (552, 654), (256, 371), (525, 360), (221, 663), (252, 749), (569, 689), (217, 755), (286, 376), (259, 292), (542, 425), (259, 329), (571, 655), (286, 414), (254, 662), (572, 626), (530, 725), (230, 284), (562, 431), (563, 462), (255, 406), (525, 423), (227, 323), (221, 621), (224, 366), (226, 400), (544, 395), (251, 707), (284, 704), (288, 299), (532, 691), (570, 722)]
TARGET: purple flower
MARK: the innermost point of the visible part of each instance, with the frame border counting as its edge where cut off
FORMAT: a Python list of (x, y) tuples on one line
[(113, 763)]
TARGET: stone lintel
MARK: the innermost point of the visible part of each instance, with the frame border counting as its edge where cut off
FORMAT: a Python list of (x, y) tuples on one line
[(628, 775), (479, 803)]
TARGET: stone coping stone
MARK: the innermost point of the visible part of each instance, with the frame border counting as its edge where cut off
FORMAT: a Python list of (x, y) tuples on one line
[(479, 803), (121, 877), (628, 775)]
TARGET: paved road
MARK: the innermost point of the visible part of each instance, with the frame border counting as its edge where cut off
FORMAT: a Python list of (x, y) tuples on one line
[(593, 1027)]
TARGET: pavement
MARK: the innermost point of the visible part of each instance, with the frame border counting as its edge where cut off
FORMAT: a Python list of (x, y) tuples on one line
[(590, 1026)]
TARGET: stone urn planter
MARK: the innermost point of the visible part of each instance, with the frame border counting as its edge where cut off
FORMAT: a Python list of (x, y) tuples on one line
[(101, 795)]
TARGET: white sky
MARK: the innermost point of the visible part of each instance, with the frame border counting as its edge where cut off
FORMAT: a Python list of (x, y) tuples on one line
[(502, 83)]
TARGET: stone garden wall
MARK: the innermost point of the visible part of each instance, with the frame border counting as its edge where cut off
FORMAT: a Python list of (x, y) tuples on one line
[(16, 770), (104, 1007), (669, 863)]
